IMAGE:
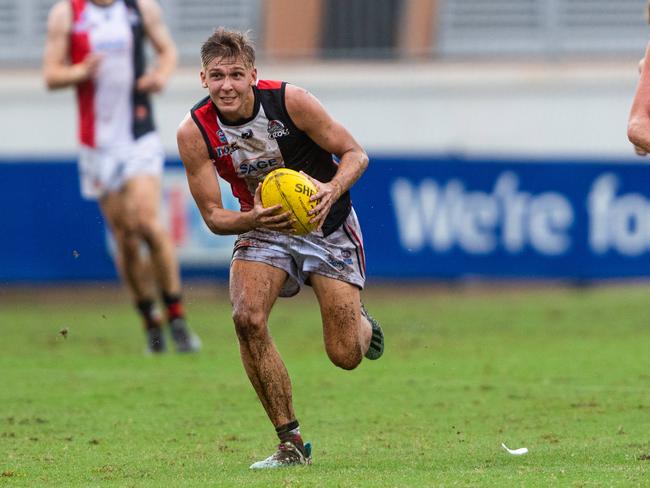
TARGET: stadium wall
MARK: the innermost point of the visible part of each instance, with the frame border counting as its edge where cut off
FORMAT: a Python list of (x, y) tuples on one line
[(422, 218)]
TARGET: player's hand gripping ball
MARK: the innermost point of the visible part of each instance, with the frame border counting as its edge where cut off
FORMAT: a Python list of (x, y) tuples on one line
[(292, 191)]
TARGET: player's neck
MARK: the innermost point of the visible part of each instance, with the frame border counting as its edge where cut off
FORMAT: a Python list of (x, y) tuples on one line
[(103, 3)]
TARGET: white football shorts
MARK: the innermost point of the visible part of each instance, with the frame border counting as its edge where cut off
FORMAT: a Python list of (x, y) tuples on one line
[(105, 170), (340, 255)]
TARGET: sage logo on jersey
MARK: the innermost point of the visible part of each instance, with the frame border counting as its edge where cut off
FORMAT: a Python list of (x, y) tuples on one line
[(276, 129), (222, 136), (257, 166)]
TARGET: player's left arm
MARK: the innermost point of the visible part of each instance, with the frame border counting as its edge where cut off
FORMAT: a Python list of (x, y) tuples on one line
[(309, 115), (158, 33), (638, 127)]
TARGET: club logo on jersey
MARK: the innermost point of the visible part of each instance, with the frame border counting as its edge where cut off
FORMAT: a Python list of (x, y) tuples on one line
[(227, 150), (222, 136), (247, 134), (276, 129)]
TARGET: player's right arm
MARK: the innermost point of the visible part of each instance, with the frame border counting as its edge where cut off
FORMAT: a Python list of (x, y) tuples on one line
[(58, 73), (205, 190)]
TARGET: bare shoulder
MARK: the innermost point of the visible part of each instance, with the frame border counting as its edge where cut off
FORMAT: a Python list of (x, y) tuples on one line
[(296, 97), (187, 129), (304, 108), (190, 140), (60, 16), (150, 9), (61, 8)]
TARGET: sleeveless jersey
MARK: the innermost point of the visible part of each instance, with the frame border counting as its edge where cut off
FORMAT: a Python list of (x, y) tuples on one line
[(244, 154), (111, 112)]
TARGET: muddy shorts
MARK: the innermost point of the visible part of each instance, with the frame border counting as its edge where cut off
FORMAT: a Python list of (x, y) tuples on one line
[(340, 255)]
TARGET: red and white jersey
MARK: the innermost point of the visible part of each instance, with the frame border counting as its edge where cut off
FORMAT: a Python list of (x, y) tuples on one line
[(111, 112), (245, 153)]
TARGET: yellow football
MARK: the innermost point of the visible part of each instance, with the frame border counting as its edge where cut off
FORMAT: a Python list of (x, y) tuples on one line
[(292, 191)]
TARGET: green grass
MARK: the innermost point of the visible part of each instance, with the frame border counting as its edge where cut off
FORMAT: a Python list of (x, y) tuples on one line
[(564, 372)]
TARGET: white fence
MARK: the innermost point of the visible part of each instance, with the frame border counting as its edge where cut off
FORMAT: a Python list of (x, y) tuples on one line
[(541, 29)]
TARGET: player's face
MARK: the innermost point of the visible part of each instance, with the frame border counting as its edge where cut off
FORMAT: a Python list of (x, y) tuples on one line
[(230, 82)]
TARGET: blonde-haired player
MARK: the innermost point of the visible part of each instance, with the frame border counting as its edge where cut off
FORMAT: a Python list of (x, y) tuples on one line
[(245, 128)]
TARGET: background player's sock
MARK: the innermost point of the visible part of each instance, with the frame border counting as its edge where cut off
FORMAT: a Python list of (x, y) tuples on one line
[(152, 324), (173, 305), (184, 338), (150, 316)]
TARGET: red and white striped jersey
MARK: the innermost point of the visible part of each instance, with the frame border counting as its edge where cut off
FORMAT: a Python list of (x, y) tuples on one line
[(244, 154), (111, 112)]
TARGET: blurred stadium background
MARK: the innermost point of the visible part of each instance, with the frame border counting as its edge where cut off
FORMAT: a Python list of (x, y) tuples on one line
[(497, 136), (496, 130)]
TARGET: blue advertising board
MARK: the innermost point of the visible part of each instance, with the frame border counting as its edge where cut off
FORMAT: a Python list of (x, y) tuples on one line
[(422, 217), (520, 219)]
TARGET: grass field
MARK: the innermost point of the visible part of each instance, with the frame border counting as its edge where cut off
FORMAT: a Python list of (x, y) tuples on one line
[(564, 372)]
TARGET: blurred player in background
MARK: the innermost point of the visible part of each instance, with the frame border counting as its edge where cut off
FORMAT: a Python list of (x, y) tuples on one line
[(97, 47), (246, 128)]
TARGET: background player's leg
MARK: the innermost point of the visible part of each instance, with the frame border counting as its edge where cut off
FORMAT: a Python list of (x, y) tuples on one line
[(345, 330), (254, 287), (142, 200), (133, 265), (130, 262)]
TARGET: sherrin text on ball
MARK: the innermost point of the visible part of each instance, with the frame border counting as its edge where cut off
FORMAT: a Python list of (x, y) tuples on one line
[(292, 190)]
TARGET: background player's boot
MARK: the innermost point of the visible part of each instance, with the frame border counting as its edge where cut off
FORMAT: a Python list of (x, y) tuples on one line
[(376, 348), (156, 340), (288, 454), (184, 338)]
